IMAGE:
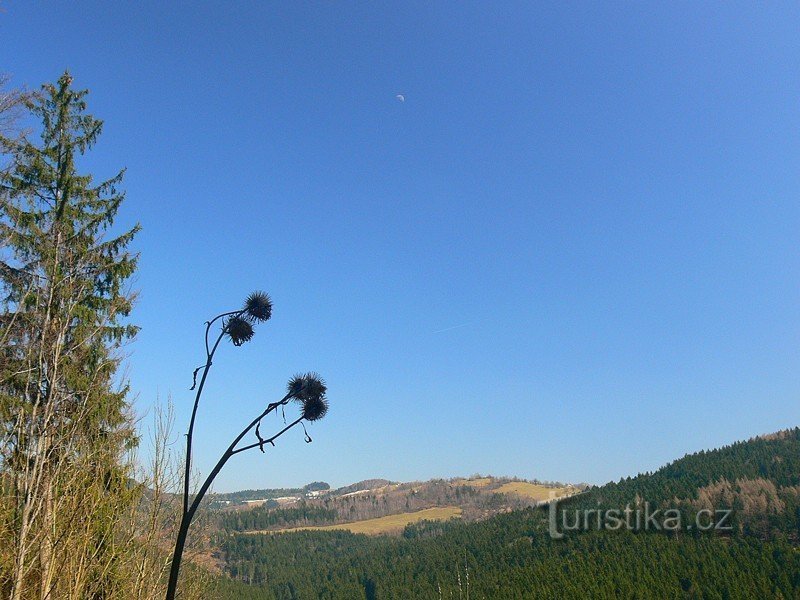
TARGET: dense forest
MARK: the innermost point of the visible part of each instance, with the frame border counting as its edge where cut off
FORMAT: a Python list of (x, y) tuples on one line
[(259, 518), (512, 555), (775, 458)]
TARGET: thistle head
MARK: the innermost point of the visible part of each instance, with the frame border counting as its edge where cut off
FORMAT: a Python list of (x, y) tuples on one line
[(258, 307), (238, 329)]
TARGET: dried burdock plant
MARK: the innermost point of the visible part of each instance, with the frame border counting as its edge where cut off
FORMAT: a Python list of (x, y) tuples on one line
[(307, 389)]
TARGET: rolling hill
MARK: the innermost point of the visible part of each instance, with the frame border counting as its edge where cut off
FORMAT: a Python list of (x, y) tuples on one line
[(511, 555), (377, 499)]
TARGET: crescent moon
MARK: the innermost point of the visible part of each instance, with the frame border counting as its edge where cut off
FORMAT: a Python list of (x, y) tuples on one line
[(401, 97)]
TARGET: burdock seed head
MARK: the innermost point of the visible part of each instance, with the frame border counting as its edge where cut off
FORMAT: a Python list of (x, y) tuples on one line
[(312, 386), (309, 389), (315, 408), (239, 330), (295, 386), (258, 306)]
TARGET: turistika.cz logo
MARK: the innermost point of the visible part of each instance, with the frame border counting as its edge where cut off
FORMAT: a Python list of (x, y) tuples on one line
[(641, 518)]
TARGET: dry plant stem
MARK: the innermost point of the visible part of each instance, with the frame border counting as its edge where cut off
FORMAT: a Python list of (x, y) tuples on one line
[(209, 360), (186, 520), (267, 440)]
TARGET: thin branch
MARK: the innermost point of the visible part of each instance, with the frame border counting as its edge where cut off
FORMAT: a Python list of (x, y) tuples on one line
[(268, 440)]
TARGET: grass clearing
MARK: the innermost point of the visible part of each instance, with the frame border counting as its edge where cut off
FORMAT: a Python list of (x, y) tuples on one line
[(383, 525), (479, 483), (533, 491)]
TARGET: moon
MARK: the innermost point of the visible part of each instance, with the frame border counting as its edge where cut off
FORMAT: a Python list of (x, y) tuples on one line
[(401, 97)]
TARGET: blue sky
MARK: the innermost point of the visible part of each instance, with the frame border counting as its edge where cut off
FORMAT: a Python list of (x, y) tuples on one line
[(571, 253)]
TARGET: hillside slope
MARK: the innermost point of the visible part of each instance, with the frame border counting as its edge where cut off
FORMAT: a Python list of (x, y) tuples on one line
[(379, 498), (512, 555)]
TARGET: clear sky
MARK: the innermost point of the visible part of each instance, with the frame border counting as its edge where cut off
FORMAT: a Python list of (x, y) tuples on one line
[(571, 253)]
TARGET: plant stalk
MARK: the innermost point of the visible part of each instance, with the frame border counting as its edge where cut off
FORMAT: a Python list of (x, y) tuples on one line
[(209, 359), (188, 515)]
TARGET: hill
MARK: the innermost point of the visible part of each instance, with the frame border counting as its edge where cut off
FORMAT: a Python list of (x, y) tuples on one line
[(379, 498), (367, 484), (511, 554)]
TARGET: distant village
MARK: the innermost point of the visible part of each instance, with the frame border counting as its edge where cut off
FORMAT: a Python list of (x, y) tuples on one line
[(288, 500), (275, 497)]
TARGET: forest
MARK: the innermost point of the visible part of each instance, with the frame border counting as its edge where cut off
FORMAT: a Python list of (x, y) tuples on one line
[(512, 555)]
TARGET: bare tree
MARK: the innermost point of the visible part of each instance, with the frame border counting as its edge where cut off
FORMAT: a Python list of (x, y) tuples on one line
[(12, 107)]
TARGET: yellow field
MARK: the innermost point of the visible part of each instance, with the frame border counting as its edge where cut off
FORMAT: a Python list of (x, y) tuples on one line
[(482, 482), (532, 491), (388, 524)]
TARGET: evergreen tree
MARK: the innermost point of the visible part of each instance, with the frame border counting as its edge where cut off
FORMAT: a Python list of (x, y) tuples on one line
[(63, 411)]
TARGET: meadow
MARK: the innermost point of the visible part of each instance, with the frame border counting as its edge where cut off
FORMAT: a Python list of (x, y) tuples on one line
[(382, 525)]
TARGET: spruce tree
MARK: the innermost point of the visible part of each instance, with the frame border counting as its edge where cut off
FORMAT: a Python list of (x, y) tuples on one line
[(63, 318)]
